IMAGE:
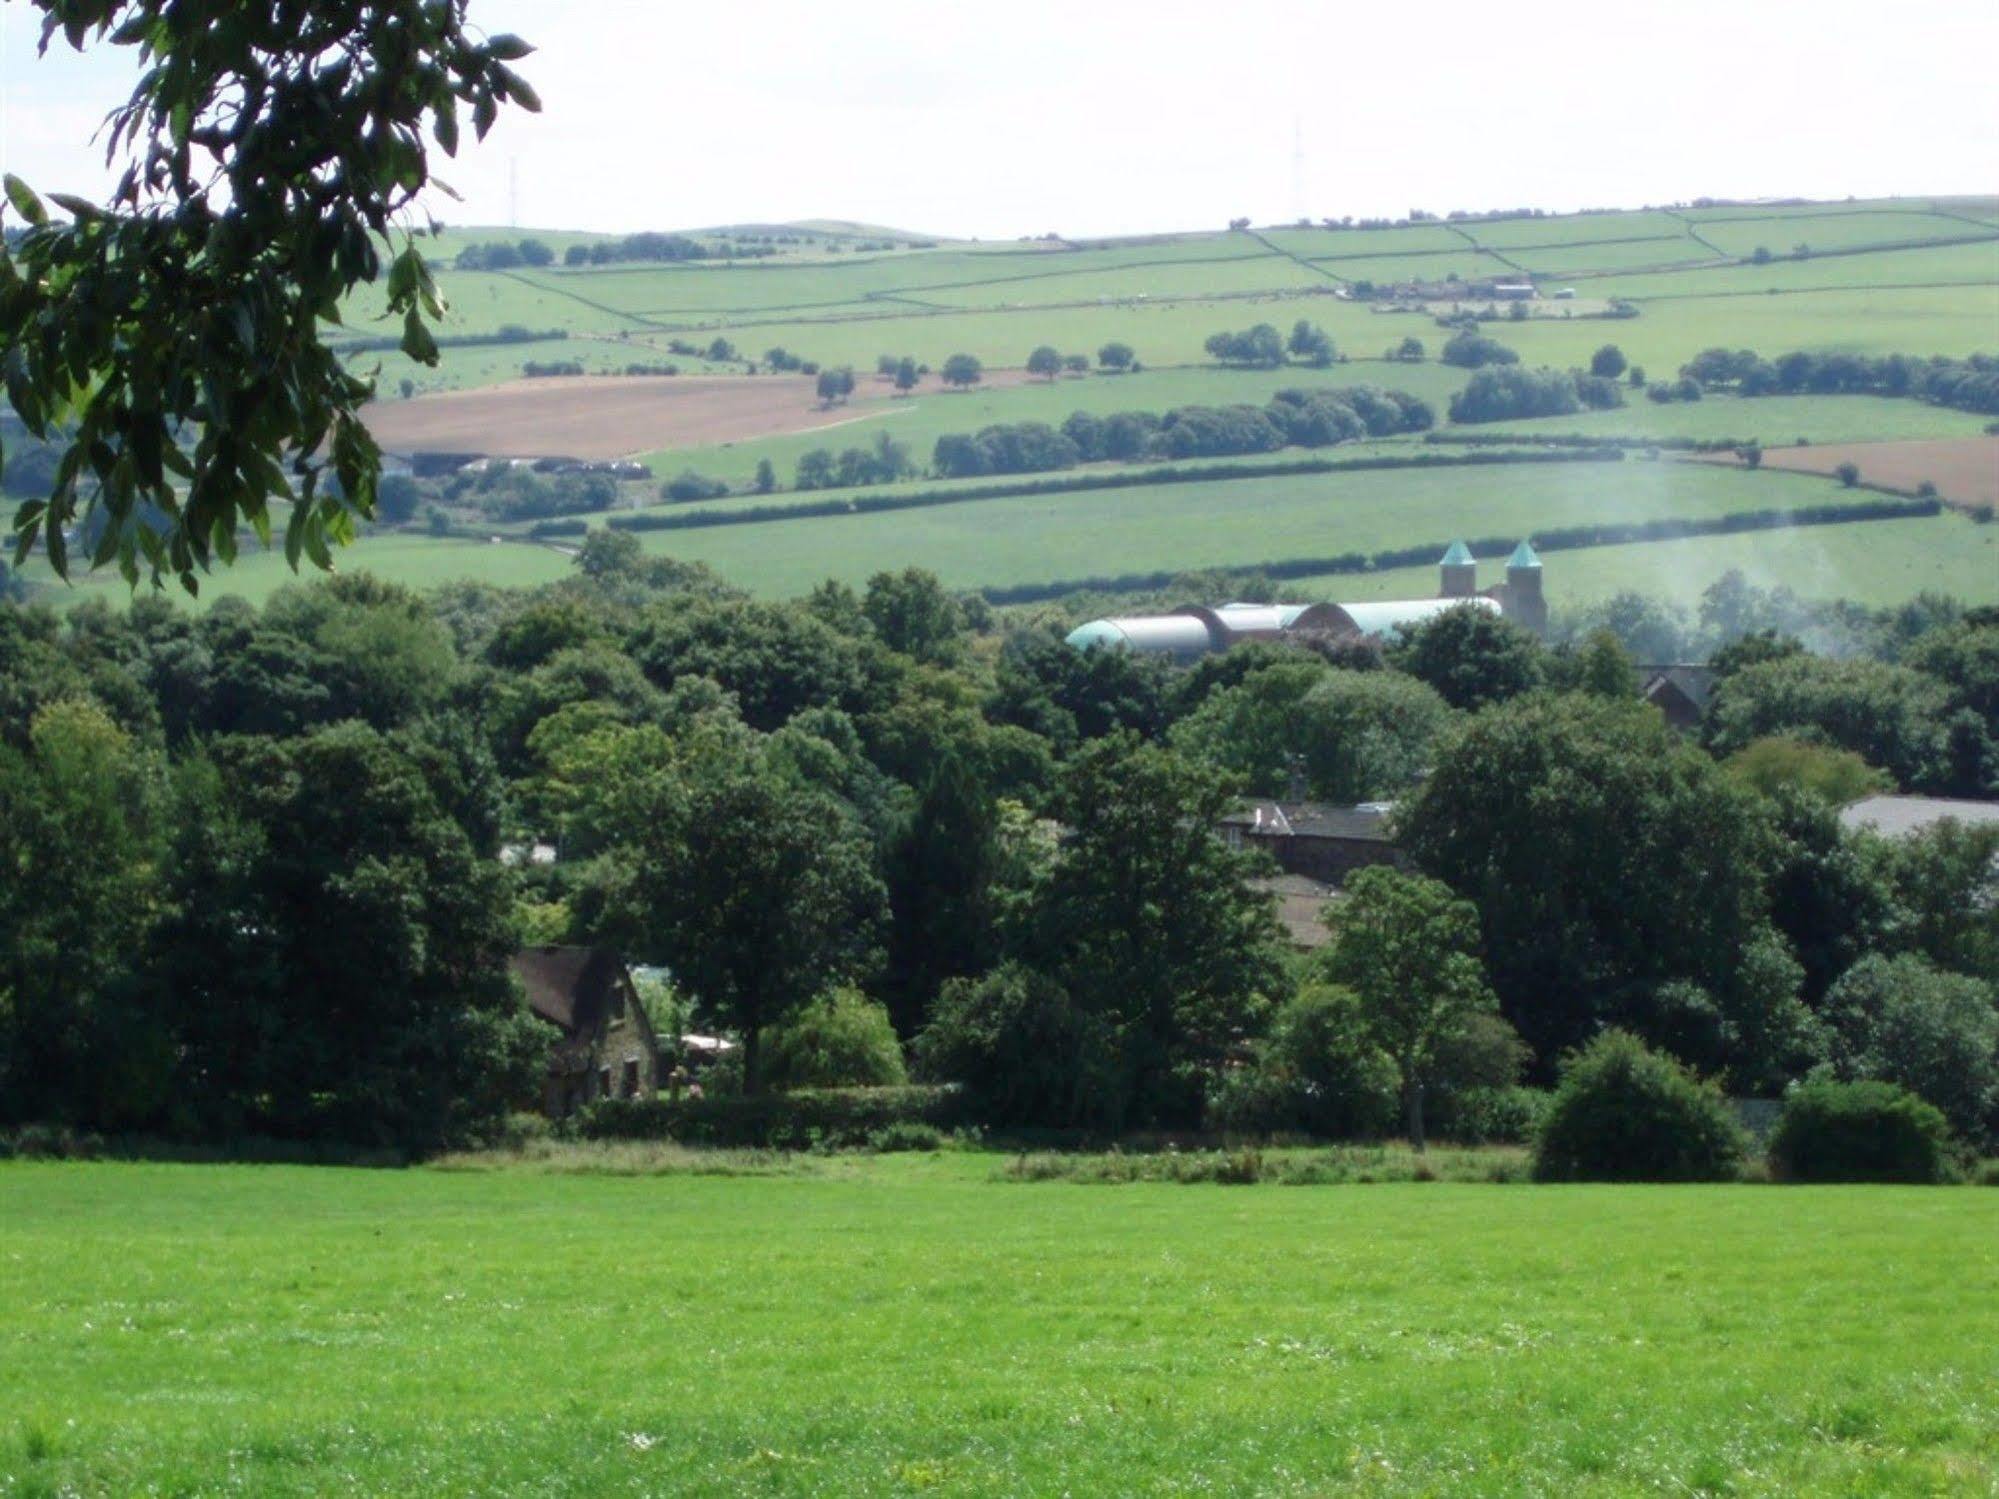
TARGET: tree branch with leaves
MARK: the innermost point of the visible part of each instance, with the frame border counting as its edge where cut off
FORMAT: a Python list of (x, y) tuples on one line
[(171, 340)]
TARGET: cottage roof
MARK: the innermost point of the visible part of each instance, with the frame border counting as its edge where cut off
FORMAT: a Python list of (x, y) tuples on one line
[(1899, 816), (1300, 907), (1694, 683), (1367, 822), (569, 987)]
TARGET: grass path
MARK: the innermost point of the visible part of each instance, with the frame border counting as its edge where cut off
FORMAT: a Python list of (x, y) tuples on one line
[(912, 1324)]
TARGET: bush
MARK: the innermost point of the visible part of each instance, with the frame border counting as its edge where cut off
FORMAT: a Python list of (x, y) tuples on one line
[(1901, 1020), (1626, 1113), (906, 1135), (689, 485), (843, 1040), (1022, 1050), (1491, 1116), (1859, 1132), (846, 1118), (1317, 1074)]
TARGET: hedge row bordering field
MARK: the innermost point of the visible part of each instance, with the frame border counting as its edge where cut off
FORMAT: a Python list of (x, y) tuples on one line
[(1569, 538), (1584, 440), (834, 1117), (868, 504)]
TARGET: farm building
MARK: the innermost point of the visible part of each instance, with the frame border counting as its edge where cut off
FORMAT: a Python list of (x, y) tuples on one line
[(1903, 816), (604, 1045), (1314, 840), (1200, 630)]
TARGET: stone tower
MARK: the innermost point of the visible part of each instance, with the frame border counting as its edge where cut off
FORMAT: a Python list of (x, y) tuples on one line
[(1525, 604), (1460, 573)]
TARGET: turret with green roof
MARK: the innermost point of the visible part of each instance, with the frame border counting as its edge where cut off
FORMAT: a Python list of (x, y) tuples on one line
[(1460, 572), (1524, 602)]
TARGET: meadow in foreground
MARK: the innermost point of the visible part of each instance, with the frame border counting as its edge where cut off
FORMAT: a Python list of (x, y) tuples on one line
[(879, 1326)]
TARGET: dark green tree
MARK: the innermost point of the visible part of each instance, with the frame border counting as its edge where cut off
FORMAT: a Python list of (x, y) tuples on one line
[(760, 895), (940, 865), (1148, 922), (1471, 656), (1605, 855)]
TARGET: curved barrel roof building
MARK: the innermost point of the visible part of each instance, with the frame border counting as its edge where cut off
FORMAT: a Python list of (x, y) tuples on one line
[(1199, 630)]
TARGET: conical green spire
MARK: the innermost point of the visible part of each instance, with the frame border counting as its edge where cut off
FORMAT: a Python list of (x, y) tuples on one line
[(1458, 556), (1523, 556)]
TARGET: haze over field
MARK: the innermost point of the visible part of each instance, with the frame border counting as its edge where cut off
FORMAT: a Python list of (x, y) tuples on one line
[(1125, 118)]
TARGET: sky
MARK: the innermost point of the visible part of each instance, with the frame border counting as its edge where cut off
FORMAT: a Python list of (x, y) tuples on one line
[(1093, 117)]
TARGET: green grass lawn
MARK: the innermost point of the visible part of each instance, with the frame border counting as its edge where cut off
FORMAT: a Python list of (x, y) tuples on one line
[(913, 1325), (1870, 562)]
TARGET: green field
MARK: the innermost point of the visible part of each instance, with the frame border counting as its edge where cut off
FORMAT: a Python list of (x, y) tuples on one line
[(1775, 421), (930, 412), (1878, 563), (1241, 523), (902, 1325), (1227, 523), (1165, 295), (417, 561)]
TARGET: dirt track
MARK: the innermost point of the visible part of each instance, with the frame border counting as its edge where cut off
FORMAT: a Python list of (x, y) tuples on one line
[(614, 416), (1965, 470)]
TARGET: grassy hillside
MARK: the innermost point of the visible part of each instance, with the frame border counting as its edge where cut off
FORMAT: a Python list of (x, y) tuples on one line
[(912, 1324)]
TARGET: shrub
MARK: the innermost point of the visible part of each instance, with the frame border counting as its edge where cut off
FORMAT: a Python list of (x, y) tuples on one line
[(1626, 1113), (1023, 1051), (906, 1135), (1317, 1074), (1859, 1132), (845, 1118), (1491, 1116), (842, 1040), (689, 485), (1902, 1020)]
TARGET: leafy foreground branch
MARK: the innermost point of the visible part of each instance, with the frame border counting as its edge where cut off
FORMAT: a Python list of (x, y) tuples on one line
[(170, 339)]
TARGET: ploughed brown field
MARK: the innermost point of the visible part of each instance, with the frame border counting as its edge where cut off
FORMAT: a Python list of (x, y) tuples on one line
[(1965, 470), (615, 416)]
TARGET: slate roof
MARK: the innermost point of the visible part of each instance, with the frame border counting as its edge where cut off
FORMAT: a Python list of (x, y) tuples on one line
[(1458, 556), (1300, 904), (569, 987), (1899, 816), (1367, 822), (1694, 683), (1524, 556)]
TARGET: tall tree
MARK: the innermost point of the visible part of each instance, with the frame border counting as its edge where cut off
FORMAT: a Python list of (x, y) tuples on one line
[(760, 895), (940, 866), (1045, 361), (170, 340), (1408, 948), (1148, 922), (1605, 855)]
